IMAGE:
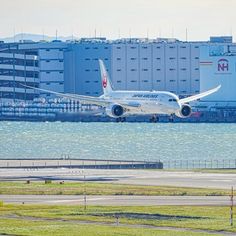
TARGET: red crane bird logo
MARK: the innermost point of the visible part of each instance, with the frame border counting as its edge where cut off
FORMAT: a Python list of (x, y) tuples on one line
[(104, 81)]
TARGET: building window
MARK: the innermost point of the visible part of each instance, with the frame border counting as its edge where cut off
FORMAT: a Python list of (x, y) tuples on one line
[(48, 50), (172, 80), (182, 46), (96, 70), (145, 81), (87, 70), (158, 80), (118, 58), (197, 80), (197, 58), (144, 69), (183, 58), (118, 81), (87, 48), (158, 69), (87, 81), (158, 58), (96, 81), (133, 47), (118, 47), (145, 58), (106, 59), (158, 47), (183, 69), (183, 91), (95, 59), (47, 83), (133, 81), (105, 47), (171, 47), (60, 49), (133, 69), (183, 80), (87, 92), (61, 72), (172, 69), (48, 72), (132, 58), (47, 60), (172, 58), (60, 60), (118, 70), (196, 68), (144, 47), (61, 83), (87, 59), (196, 91), (196, 47), (95, 48)]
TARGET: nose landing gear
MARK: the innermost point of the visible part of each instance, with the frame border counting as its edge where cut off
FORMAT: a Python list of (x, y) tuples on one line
[(171, 118)]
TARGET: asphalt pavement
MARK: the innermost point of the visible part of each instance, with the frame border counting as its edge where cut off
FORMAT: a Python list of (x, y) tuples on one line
[(117, 200), (133, 176)]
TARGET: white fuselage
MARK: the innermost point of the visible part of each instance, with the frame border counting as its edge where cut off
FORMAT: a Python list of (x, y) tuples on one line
[(144, 102)]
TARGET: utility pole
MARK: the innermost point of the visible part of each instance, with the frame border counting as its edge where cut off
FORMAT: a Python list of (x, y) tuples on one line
[(85, 197), (186, 34), (231, 206)]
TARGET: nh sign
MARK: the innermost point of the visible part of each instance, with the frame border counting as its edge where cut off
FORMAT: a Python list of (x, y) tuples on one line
[(223, 65)]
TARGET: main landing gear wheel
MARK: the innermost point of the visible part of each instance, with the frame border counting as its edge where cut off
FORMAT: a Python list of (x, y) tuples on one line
[(154, 119), (121, 119)]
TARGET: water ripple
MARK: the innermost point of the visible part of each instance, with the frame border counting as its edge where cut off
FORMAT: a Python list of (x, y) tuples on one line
[(137, 141)]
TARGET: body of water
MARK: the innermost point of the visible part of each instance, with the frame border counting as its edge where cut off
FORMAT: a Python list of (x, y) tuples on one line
[(136, 141)]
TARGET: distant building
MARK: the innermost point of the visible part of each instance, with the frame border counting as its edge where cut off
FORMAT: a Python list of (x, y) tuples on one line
[(133, 64), (34, 64), (18, 66), (218, 66)]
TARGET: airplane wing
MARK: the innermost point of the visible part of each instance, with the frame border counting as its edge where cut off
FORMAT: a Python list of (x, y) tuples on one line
[(198, 96), (81, 98)]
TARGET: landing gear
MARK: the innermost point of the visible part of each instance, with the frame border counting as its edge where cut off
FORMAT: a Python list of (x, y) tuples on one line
[(171, 118), (154, 119), (121, 119)]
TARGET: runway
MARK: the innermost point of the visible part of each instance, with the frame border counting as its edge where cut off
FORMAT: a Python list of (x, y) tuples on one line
[(117, 200), (133, 176)]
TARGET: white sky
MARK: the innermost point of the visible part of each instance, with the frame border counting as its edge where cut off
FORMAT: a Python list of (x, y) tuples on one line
[(111, 18)]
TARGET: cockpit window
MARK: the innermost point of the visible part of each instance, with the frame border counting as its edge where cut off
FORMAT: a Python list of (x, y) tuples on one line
[(172, 100)]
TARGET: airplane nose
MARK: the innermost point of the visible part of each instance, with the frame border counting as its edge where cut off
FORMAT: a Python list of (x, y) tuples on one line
[(177, 106)]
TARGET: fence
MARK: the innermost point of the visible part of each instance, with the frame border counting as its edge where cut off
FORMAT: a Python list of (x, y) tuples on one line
[(200, 164), (79, 163)]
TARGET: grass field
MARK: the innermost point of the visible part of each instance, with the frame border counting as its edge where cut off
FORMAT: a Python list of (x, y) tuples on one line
[(39, 228), (91, 188), (57, 220)]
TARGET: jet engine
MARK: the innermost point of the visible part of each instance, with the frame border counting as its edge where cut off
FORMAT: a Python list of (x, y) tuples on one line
[(115, 110), (184, 112)]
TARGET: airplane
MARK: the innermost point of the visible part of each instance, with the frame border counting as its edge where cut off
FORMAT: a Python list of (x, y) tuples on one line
[(120, 103)]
